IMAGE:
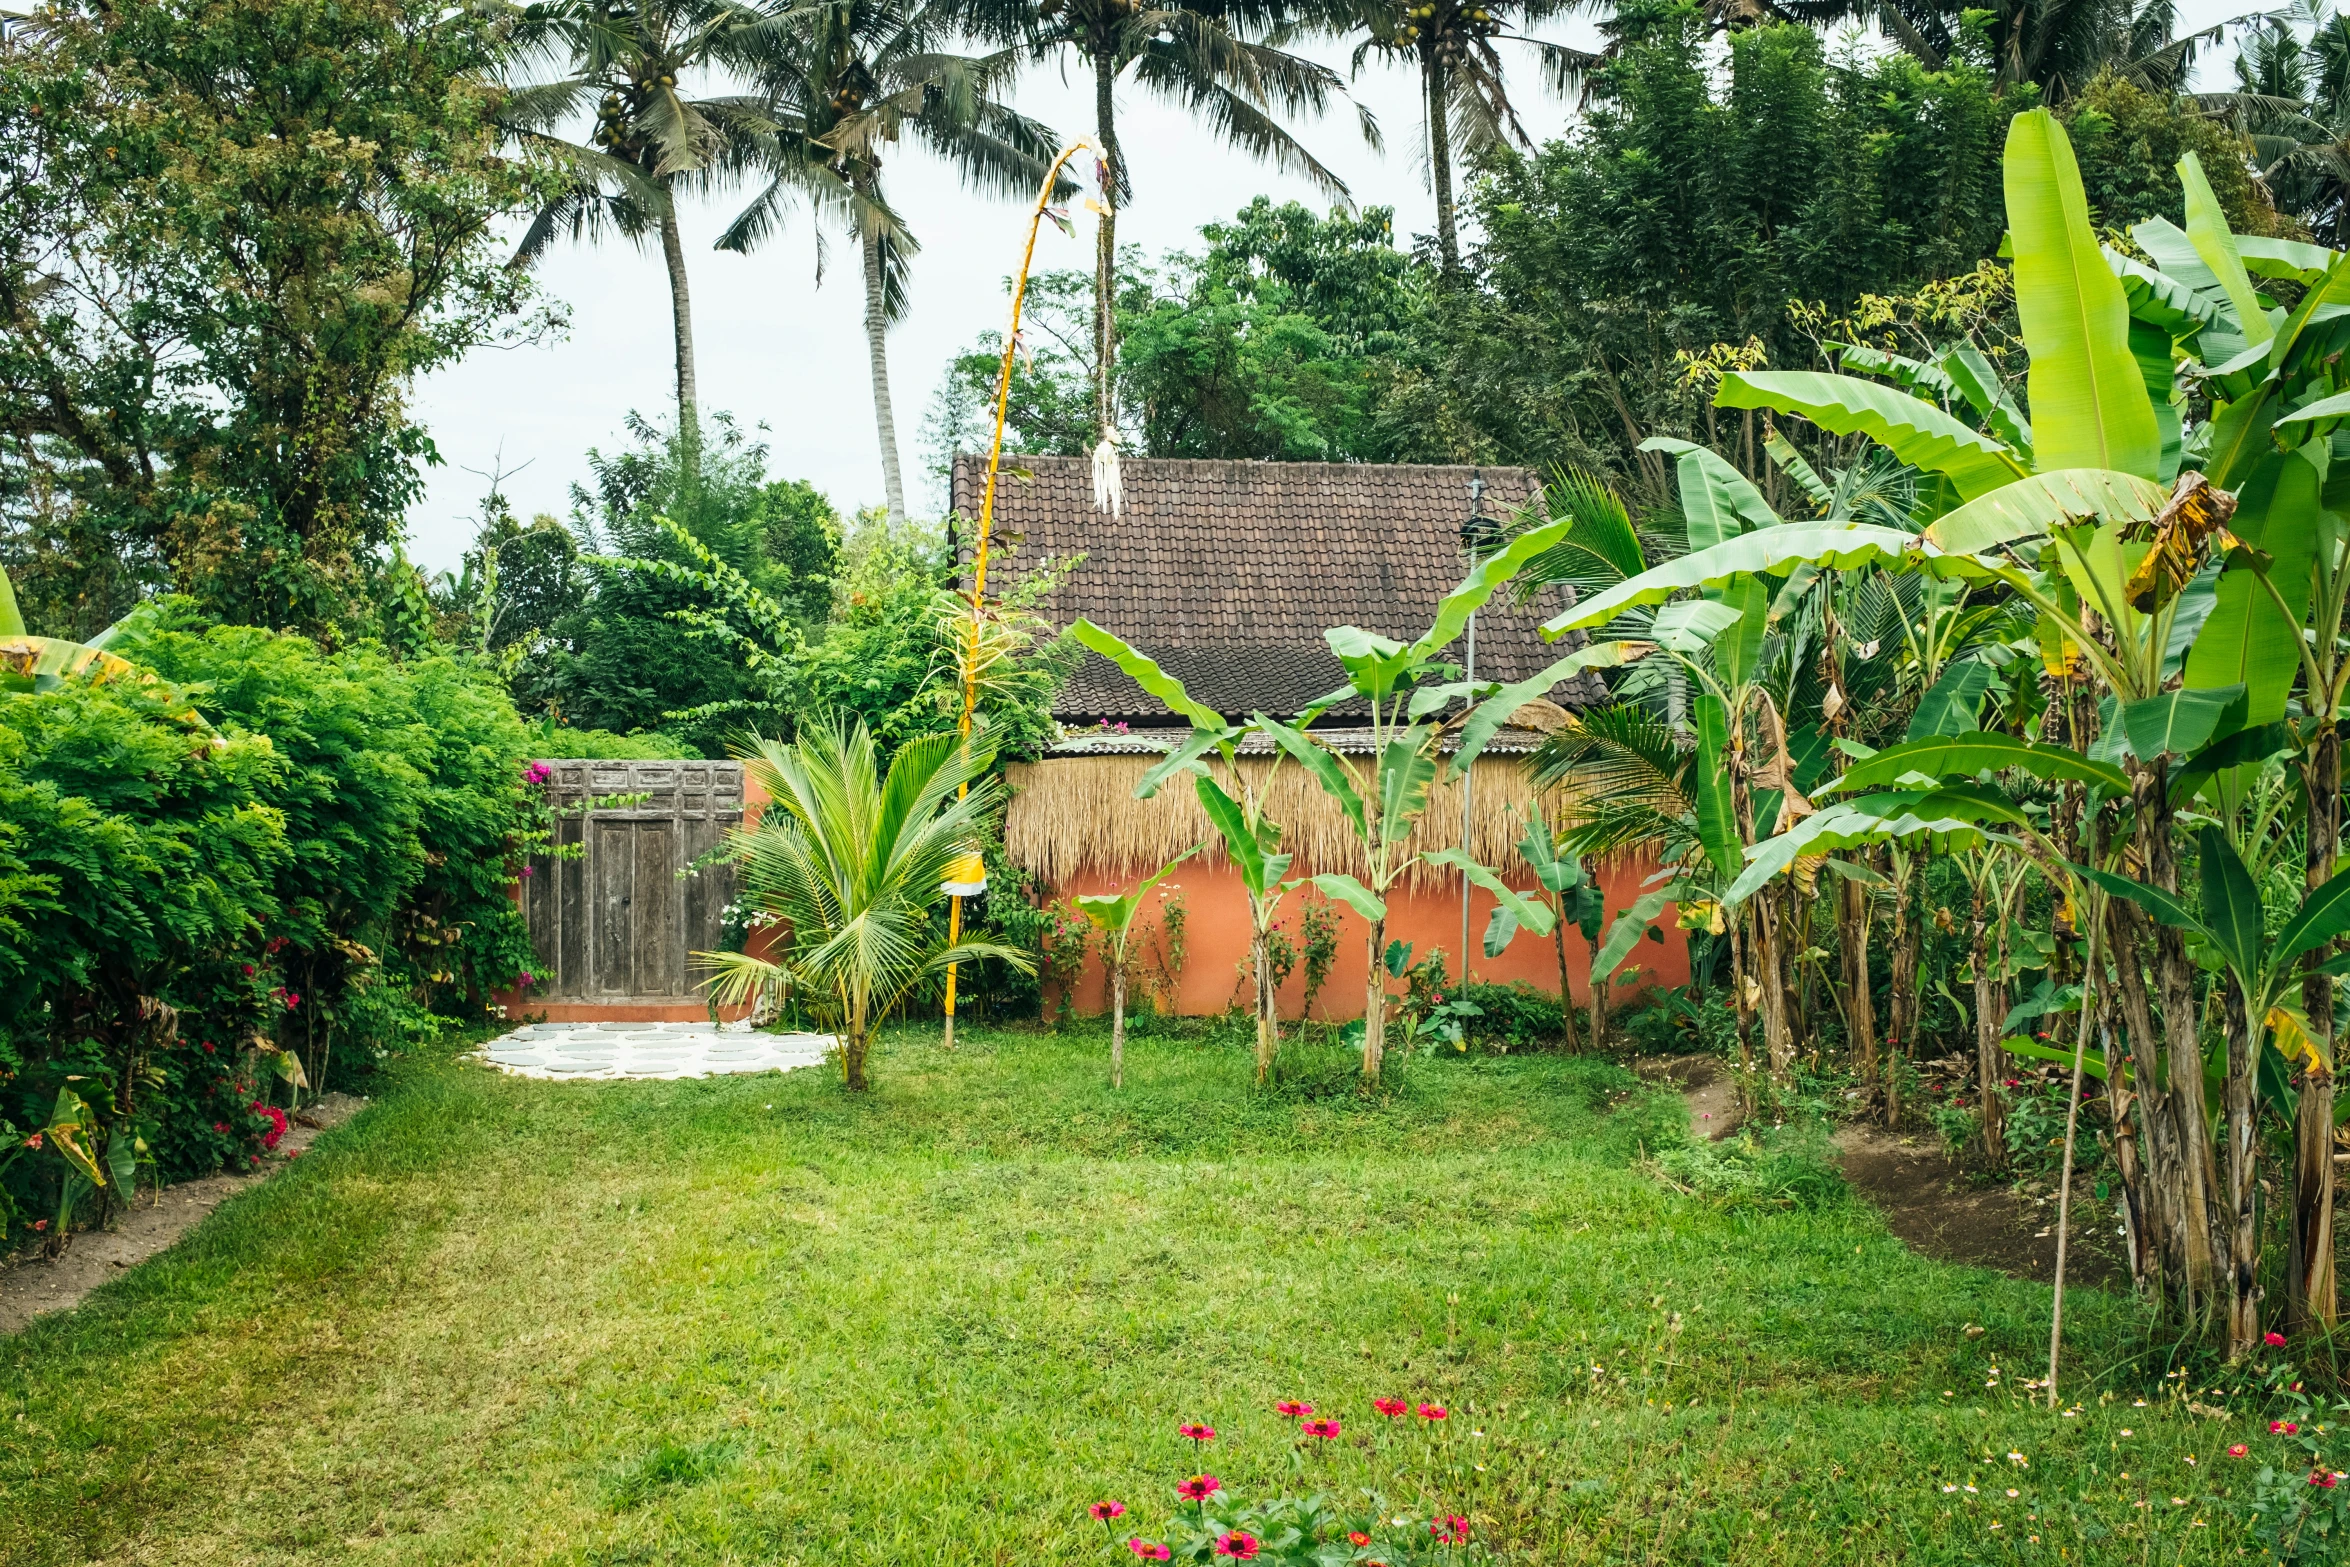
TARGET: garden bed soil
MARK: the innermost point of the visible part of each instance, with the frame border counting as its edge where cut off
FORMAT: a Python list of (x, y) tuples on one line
[(1932, 1203), (33, 1285)]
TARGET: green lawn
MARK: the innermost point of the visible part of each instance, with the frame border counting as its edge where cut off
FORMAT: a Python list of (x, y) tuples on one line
[(754, 1320)]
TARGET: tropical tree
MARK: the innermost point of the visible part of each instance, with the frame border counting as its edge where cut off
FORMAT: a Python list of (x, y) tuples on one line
[(1213, 59), (847, 862), (837, 85), (622, 61), (1113, 914)]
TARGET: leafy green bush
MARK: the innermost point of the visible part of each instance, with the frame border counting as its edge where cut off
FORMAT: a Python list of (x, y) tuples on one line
[(1792, 1166), (1514, 1016)]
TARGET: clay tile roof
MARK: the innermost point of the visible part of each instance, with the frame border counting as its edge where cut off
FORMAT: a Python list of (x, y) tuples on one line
[(1227, 573)]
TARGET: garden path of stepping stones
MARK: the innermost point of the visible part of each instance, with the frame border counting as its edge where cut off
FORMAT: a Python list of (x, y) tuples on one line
[(618, 1050)]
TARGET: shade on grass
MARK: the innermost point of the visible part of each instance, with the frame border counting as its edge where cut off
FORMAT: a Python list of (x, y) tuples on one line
[(757, 1320)]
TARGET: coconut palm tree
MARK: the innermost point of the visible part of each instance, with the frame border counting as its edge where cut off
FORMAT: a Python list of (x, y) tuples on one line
[(1213, 57), (623, 60), (846, 863), (1465, 98), (838, 83), (2292, 98)]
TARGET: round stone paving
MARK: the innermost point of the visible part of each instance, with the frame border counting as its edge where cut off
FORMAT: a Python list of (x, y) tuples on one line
[(649, 1050)]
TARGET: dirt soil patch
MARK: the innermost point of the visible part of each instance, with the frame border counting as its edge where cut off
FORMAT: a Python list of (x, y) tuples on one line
[(33, 1285)]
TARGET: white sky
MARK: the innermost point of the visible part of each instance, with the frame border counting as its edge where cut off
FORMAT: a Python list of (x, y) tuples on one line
[(774, 348)]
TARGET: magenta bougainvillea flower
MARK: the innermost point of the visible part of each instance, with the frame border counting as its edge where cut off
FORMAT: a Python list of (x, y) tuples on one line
[(1242, 1546), (1292, 1408), (1325, 1429), (1391, 1407), (1433, 1412), (1198, 1488), (1147, 1551)]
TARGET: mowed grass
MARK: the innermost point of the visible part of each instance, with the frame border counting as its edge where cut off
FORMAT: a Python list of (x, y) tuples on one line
[(759, 1321)]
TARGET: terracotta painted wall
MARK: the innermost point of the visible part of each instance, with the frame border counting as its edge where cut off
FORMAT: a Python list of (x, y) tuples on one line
[(1216, 941)]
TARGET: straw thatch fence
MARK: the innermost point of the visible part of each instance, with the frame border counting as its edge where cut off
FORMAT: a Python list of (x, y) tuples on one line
[(1079, 813)]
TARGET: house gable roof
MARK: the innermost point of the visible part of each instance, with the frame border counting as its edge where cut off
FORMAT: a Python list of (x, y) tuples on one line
[(1228, 573)]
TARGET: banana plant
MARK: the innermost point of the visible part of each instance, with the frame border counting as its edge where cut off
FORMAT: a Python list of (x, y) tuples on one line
[(1575, 900), (31, 663), (1112, 913)]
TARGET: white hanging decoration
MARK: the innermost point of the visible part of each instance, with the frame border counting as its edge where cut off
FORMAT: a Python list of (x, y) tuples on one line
[(1109, 490)]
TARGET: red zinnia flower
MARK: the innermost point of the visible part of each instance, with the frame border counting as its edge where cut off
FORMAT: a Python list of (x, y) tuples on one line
[(1292, 1409), (1147, 1551), (1198, 1433), (2321, 1477), (33, 1141), (2273, 1340), (1433, 1411), (1451, 1529), (1357, 1537), (2283, 1428), (1390, 1407), (2238, 1451), (1242, 1546), (1325, 1429), (1198, 1488), (40, 1224), (1103, 1512)]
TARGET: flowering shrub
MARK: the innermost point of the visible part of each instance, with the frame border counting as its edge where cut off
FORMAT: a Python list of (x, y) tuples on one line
[(2299, 1510)]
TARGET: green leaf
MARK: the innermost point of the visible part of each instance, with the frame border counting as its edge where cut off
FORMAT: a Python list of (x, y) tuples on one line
[(1950, 705), (2182, 721), (1767, 552), (1689, 626), (1717, 821), (2247, 640), (1184, 758), (122, 1160), (1538, 850), (1717, 501), (1145, 672), (2241, 749), (2033, 507), (1489, 716), (2169, 910), (11, 619), (1259, 871), (1353, 894), (1327, 770), (1918, 433), (1373, 663), (2323, 915), (2207, 231), (1532, 913), (1791, 463), (1946, 820), (2092, 1061), (1975, 380), (2089, 403), (2231, 904), (1405, 772), (2285, 258), (1915, 374), (2334, 407), (1965, 755), (1739, 650), (1625, 934), (2160, 300), (1500, 930), (1483, 581)]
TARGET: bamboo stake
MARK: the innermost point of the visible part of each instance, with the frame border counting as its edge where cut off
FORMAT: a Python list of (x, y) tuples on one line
[(2072, 1120), (995, 457)]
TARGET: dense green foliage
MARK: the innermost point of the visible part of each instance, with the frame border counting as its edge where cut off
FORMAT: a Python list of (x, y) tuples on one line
[(266, 848)]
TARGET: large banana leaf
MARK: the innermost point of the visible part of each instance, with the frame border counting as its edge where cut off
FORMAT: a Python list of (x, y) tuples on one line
[(1967, 370), (2161, 300), (2231, 904), (1917, 432), (2334, 407), (1625, 934), (2247, 639), (1260, 872), (2207, 231), (1405, 772), (2324, 915), (1495, 710), (45, 663), (1717, 823), (2032, 507), (2182, 722), (2089, 403), (1483, 581), (1717, 501), (2286, 258), (1945, 820), (1532, 913), (1951, 703), (1738, 651), (1326, 769), (1113, 912), (11, 618), (1353, 894), (1145, 672), (1767, 552), (1965, 755)]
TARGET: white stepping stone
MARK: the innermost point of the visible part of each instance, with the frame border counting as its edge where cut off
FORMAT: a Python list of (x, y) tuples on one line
[(666, 1051)]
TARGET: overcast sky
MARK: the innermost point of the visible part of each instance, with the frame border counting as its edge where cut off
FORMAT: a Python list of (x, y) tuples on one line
[(776, 349)]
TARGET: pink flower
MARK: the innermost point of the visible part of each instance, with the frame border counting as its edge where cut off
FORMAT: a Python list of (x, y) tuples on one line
[(208, 1050), (1451, 1529), (33, 1141), (1198, 1488), (248, 971), (1325, 1429), (1292, 1408), (1103, 1512), (2283, 1428), (40, 1224), (526, 870), (2273, 1340), (1197, 1432), (1146, 1550), (2322, 1477), (1391, 1407), (1433, 1412), (2238, 1451), (1357, 1537), (1241, 1546), (220, 1126), (526, 977)]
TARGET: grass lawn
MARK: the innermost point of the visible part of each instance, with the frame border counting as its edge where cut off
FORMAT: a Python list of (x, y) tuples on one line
[(754, 1320)]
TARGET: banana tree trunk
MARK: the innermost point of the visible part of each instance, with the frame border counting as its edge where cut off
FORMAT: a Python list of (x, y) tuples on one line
[(1852, 943), (1105, 247), (681, 320), (1901, 1001), (1990, 1059), (1375, 1003), (1118, 1021), (1432, 76), (2243, 1154), (1558, 936), (893, 484), (1778, 1031), (1268, 1021), (2312, 1302)]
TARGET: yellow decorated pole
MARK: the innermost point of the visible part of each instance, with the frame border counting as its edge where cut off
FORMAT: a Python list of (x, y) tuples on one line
[(969, 874)]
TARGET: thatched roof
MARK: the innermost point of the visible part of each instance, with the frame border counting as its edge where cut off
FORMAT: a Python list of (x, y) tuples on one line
[(1228, 573)]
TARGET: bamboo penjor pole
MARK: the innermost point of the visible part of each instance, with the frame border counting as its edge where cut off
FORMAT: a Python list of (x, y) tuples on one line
[(995, 457)]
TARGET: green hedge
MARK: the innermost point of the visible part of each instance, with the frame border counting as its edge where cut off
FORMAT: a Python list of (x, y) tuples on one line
[(267, 850)]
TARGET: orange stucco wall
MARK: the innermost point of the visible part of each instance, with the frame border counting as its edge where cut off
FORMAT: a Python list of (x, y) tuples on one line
[(1216, 944)]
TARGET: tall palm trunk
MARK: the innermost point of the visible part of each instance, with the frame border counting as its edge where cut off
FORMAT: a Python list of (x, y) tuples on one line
[(681, 320), (1448, 243), (2311, 1299), (1105, 244), (893, 484)]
